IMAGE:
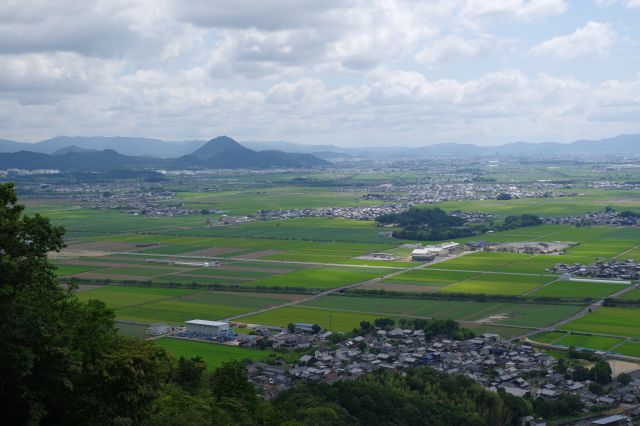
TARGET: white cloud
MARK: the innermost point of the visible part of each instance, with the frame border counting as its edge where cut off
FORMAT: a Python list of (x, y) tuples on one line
[(302, 70), (453, 47), (593, 38), (629, 3), (514, 9)]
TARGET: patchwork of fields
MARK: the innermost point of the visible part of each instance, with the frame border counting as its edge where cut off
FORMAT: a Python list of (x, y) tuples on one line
[(175, 306), (312, 255)]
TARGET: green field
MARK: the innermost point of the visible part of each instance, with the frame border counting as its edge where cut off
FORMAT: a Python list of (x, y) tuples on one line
[(631, 349), (525, 314), (174, 306), (602, 343), (578, 289), (249, 201), (319, 229), (432, 277), (63, 270), (549, 337), (631, 295), (611, 321), (120, 296), (516, 314), (565, 206), (481, 261), (178, 311), (213, 354), (322, 278), (328, 319), (503, 284)]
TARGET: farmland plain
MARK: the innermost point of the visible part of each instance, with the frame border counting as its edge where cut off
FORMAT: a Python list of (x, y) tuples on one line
[(315, 254)]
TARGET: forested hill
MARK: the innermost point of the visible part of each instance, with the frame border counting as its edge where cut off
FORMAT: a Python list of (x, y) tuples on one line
[(219, 153)]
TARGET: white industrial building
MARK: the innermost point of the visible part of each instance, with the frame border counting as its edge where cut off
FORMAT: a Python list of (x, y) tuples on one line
[(429, 253), (207, 328)]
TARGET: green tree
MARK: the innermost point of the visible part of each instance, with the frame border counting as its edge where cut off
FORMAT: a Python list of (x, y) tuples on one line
[(189, 373), (176, 407), (596, 388), (231, 381), (62, 361), (291, 327), (624, 379), (384, 322), (601, 372)]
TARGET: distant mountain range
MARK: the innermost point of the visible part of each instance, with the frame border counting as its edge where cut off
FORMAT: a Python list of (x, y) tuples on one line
[(219, 153), (100, 153), (623, 144)]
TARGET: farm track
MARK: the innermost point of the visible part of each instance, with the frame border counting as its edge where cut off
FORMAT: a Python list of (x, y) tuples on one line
[(291, 262), (593, 307), (626, 251), (323, 294)]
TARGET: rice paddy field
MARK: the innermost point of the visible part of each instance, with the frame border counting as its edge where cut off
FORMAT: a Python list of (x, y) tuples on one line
[(578, 289), (213, 354), (630, 349), (322, 278), (516, 314), (482, 261), (335, 320), (565, 206), (631, 295), (175, 306), (320, 254), (503, 284), (609, 321), (317, 229), (602, 343)]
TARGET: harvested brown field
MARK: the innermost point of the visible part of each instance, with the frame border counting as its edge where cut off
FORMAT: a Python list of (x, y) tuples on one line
[(214, 277), (259, 254), (212, 251), (254, 269), (104, 246), (85, 287)]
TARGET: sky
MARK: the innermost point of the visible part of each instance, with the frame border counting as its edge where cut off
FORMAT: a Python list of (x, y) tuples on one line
[(345, 72)]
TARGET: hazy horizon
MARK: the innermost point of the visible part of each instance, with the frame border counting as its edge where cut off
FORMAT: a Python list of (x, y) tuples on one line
[(348, 73), (341, 145)]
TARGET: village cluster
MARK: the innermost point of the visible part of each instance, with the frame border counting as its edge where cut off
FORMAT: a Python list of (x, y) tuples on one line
[(610, 217), (488, 359), (493, 362), (623, 270)]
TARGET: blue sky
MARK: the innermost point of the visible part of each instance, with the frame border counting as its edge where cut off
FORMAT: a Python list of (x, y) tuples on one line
[(348, 72)]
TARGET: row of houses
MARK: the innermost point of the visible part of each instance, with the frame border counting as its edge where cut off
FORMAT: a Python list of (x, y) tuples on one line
[(620, 270), (488, 359), (595, 218)]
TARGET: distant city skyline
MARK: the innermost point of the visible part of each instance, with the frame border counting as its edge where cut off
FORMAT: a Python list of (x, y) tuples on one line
[(349, 73)]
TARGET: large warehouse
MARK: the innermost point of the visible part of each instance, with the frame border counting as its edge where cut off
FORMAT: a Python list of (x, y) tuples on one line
[(207, 328)]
